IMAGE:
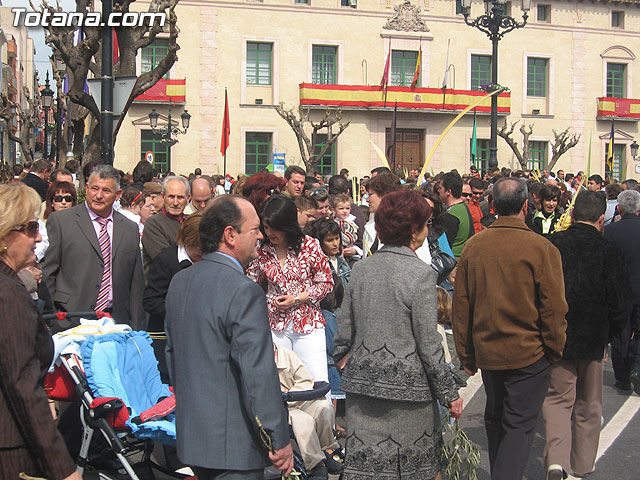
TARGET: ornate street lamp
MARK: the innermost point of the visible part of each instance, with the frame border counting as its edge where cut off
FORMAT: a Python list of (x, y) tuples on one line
[(47, 101), (61, 68), (634, 151), (169, 131), (495, 23)]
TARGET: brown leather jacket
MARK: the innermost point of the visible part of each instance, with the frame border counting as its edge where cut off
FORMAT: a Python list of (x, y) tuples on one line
[(509, 304)]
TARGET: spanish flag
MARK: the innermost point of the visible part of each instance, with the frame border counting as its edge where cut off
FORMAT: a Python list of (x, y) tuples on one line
[(610, 150), (417, 72)]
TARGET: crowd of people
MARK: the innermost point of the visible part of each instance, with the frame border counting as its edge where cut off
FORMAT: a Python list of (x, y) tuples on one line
[(270, 283)]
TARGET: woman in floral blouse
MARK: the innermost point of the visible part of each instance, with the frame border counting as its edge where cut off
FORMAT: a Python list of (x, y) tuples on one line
[(296, 275)]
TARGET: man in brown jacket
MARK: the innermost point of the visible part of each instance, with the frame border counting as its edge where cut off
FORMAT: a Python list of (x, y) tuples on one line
[(509, 321)]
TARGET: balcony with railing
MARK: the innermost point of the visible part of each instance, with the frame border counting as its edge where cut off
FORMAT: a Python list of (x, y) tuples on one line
[(165, 90), (367, 97), (618, 109)]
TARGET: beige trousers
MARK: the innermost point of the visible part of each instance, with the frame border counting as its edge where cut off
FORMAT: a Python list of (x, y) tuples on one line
[(572, 414), (312, 423)]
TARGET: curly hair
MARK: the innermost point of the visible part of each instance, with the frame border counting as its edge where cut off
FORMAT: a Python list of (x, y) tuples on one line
[(259, 187), (399, 215)]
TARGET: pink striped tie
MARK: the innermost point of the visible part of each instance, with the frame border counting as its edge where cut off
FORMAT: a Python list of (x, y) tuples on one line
[(105, 247)]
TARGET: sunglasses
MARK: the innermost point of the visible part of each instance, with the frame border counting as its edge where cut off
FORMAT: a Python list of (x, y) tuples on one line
[(318, 191), (30, 229), (67, 198), (466, 195)]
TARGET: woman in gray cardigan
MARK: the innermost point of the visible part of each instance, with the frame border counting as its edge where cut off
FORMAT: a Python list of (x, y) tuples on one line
[(396, 369)]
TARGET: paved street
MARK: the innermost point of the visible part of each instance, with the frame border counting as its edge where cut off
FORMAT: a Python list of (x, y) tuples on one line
[(618, 456)]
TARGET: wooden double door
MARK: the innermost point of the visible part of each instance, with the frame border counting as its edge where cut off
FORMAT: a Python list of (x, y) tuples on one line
[(409, 148)]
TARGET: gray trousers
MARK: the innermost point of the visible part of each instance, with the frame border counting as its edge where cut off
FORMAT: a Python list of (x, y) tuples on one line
[(572, 415)]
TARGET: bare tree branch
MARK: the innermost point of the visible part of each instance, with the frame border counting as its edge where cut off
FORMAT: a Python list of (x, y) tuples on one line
[(85, 57), (307, 144), (562, 143)]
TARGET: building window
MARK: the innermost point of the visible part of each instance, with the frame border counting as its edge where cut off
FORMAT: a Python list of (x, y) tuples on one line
[(458, 7), (305, 2), (259, 63), (617, 19), (537, 156), (153, 54), (160, 149), (618, 162), (536, 77), (615, 80), (349, 3), (480, 71), (543, 13), (481, 162), (257, 151), (324, 65), (327, 164), (403, 67)]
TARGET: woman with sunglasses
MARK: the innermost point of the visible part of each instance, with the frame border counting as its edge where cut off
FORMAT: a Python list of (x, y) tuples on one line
[(296, 276), (29, 440), (60, 196)]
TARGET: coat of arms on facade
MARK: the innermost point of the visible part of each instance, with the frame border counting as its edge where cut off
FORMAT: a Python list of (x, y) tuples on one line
[(406, 19)]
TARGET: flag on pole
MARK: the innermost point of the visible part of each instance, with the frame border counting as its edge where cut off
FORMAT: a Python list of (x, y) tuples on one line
[(417, 72), (445, 81), (384, 83), (474, 141), (226, 127), (391, 151), (589, 160), (610, 150), (116, 47)]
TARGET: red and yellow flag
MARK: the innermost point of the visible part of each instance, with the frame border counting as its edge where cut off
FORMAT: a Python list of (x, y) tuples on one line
[(417, 72)]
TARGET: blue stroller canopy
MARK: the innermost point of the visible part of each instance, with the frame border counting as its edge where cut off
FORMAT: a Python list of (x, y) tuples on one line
[(123, 365)]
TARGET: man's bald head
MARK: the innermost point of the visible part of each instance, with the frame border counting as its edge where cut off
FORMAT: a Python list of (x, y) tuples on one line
[(509, 196), (201, 193)]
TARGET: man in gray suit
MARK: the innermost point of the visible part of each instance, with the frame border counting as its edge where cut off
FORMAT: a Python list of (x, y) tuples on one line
[(220, 354), (74, 269)]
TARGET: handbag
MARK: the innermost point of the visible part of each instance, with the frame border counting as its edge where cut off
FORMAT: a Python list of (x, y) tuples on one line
[(441, 262)]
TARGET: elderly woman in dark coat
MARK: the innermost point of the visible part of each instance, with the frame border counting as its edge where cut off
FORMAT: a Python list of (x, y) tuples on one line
[(29, 440), (396, 369)]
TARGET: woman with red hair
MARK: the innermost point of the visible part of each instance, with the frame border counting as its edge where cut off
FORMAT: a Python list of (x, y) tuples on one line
[(396, 373), (259, 187)]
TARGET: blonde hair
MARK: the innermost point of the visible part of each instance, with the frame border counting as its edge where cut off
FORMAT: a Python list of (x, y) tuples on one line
[(18, 204), (444, 305)]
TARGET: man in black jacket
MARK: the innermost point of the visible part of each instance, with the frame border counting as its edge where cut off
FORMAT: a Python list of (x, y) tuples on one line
[(38, 177), (625, 234), (599, 297)]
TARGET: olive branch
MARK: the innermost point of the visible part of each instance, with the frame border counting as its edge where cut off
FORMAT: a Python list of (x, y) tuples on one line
[(266, 440), (460, 456)]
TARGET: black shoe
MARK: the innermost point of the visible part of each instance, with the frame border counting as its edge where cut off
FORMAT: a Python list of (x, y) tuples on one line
[(635, 380), (334, 463), (625, 387), (319, 472)]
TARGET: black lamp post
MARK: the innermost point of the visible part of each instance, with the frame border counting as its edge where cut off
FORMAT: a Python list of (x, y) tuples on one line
[(47, 100), (495, 23), (168, 131), (61, 68), (634, 151)]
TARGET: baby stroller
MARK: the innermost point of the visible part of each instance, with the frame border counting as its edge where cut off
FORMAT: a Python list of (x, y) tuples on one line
[(320, 390), (113, 372)]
